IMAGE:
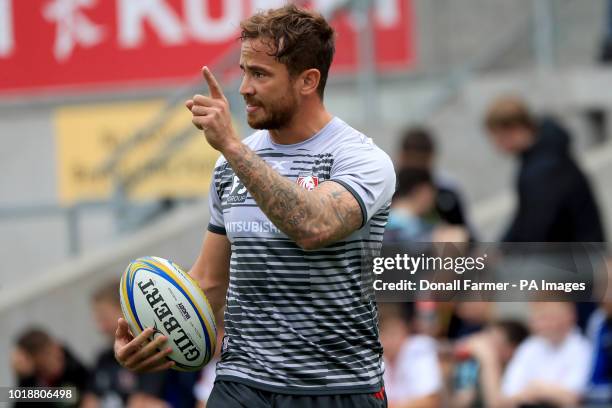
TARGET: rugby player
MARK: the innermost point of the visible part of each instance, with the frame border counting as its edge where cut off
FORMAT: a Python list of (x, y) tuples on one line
[(293, 209)]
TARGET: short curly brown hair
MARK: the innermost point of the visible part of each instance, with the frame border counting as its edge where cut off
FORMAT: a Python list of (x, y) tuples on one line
[(508, 111), (300, 39)]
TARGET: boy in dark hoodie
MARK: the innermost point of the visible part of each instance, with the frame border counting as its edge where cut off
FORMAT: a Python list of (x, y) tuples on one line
[(555, 201)]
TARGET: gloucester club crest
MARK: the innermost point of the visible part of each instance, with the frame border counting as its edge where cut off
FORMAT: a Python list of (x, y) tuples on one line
[(309, 182)]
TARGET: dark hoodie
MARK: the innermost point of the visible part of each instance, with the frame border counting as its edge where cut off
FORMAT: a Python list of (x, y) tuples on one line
[(555, 201)]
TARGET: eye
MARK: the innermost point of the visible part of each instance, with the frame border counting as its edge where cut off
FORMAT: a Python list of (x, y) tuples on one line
[(258, 75)]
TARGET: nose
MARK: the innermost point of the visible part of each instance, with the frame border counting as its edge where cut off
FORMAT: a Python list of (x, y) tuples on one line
[(246, 89)]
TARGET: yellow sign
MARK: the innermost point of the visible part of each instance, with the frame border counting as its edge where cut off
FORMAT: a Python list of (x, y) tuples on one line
[(87, 136)]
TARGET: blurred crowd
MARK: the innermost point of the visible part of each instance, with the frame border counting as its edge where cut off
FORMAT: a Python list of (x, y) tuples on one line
[(477, 360), (460, 354)]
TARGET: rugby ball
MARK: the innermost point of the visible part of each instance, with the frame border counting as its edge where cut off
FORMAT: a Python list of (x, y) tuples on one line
[(157, 293)]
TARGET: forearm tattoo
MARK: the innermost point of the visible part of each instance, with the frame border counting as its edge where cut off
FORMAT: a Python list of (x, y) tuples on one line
[(312, 219)]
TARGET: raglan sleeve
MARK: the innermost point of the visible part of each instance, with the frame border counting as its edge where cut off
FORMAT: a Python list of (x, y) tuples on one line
[(367, 173)]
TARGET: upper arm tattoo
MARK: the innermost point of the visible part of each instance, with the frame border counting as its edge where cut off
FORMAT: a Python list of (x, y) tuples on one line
[(311, 218), (340, 209)]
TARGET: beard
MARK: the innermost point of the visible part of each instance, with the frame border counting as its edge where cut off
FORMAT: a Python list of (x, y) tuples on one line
[(275, 115)]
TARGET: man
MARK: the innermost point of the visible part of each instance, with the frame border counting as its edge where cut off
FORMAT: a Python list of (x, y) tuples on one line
[(294, 208), (41, 361), (111, 385), (555, 201), (418, 151)]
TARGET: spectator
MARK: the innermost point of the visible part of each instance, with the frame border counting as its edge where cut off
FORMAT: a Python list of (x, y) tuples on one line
[(551, 367), (418, 150), (555, 201), (41, 361), (412, 373), (483, 358), (110, 383), (413, 200)]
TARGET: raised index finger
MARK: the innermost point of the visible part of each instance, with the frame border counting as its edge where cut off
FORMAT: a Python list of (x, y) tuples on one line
[(215, 89)]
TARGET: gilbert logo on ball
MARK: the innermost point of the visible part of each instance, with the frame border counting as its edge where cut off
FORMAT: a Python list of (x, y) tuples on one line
[(157, 293)]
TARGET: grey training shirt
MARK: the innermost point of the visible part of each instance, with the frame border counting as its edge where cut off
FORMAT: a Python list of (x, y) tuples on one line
[(296, 320)]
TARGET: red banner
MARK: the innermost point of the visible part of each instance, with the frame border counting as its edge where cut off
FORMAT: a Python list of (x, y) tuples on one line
[(94, 43)]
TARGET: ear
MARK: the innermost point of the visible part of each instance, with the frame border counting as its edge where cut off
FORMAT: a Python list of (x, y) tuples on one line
[(309, 81)]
